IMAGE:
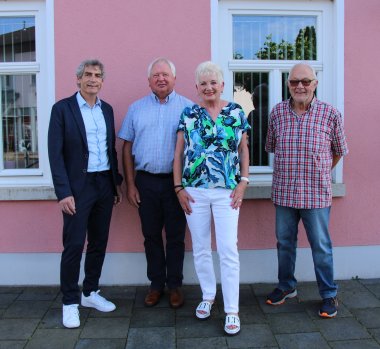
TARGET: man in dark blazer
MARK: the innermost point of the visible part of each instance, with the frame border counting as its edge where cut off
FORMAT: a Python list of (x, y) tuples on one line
[(83, 162)]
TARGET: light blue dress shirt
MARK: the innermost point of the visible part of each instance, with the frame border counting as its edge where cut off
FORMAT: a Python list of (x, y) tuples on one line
[(96, 133), (152, 127)]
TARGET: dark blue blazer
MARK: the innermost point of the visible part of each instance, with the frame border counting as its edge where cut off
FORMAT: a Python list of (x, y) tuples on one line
[(68, 149)]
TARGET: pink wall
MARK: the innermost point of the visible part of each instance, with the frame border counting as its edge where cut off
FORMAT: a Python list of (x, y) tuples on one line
[(126, 37)]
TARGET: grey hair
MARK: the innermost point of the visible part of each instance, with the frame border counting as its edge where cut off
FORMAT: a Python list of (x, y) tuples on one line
[(209, 68), (86, 63), (161, 60), (304, 64)]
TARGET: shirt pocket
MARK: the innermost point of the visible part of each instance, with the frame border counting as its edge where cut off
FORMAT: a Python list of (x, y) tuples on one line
[(317, 141)]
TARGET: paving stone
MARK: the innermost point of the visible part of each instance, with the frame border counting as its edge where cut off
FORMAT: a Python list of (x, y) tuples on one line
[(17, 328), (342, 329), (118, 292), (101, 344), (6, 299), (357, 344), (350, 286), (246, 295), (374, 289), (39, 294), (27, 309), (252, 336), (57, 303), (193, 292), (308, 292), (188, 309), (54, 338), (53, 319), (12, 289), (252, 314), (291, 323), (312, 340), (194, 328), (262, 290), (105, 328), (202, 343), (370, 318), (148, 317), (12, 344), (375, 333), (370, 281), (355, 300), (123, 309), (151, 338)]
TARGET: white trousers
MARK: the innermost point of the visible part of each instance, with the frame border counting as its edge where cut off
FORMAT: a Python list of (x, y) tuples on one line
[(218, 202)]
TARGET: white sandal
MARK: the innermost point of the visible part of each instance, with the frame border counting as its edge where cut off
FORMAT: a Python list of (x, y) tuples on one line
[(203, 310), (232, 324)]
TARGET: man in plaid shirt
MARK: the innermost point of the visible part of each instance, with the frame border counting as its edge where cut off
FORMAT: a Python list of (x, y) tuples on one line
[(307, 139)]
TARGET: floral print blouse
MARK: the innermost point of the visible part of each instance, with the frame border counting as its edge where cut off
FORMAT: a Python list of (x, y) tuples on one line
[(211, 158)]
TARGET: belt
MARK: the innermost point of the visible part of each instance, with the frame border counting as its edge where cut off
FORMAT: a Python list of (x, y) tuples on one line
[(158, 175), (99, 173)]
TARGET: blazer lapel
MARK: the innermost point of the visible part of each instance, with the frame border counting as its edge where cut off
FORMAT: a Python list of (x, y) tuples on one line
[(73, 103)]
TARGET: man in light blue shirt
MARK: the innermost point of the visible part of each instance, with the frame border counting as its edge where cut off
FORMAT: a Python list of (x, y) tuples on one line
[(84, 167), (149, 134)]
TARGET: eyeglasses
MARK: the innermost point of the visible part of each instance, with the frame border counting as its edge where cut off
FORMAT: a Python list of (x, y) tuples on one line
[(304, 82)]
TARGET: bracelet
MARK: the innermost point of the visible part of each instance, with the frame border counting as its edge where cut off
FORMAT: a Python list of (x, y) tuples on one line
[(179, 190), (245, 179), (178, 186)]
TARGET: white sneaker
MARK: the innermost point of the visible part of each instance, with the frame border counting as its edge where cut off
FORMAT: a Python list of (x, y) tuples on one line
[(70, 316), (94, 300)]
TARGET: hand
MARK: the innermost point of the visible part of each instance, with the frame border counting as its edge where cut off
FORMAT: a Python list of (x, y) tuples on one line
[(119, 196), (185, 199), (133, 195), (237, 195), (68, 205)]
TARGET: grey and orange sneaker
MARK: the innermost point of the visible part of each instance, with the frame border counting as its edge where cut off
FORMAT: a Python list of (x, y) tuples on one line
[(329, 307), (278, 296)]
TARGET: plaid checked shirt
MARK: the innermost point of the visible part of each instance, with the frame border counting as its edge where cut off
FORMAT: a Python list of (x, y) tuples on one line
[(303, 147)]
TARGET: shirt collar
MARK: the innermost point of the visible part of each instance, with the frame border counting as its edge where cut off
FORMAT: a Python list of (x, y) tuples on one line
[(167, 99), (82, 101)]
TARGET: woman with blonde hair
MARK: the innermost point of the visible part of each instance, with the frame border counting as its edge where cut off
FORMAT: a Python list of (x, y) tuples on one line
[(210, 177)]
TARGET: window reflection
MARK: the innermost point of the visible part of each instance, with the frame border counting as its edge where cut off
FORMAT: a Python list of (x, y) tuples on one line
[(17, 39), (274, 37), (18, 116), (251, 92)]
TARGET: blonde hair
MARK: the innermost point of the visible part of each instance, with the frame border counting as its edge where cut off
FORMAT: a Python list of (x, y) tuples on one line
[(208, 68)]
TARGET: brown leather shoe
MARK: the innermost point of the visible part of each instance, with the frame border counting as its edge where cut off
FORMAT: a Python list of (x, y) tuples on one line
[(176, 299), (152, 298)]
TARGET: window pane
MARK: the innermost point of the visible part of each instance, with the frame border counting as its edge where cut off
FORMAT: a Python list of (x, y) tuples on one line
[(17, 39), (18, 115), (274, 37), (251, 92)]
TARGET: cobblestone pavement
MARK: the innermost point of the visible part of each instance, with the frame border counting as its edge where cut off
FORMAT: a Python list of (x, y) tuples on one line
[(30, 317)]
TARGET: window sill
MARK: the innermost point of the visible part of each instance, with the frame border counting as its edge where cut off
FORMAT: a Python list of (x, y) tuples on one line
[(27, 193), (254, 191), (263, 190)]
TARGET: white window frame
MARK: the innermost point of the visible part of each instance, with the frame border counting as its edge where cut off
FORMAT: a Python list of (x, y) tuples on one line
[(330, 48), (43, 67)]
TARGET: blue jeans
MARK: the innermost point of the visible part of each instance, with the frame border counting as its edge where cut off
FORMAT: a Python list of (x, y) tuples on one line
[(316, 223)]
